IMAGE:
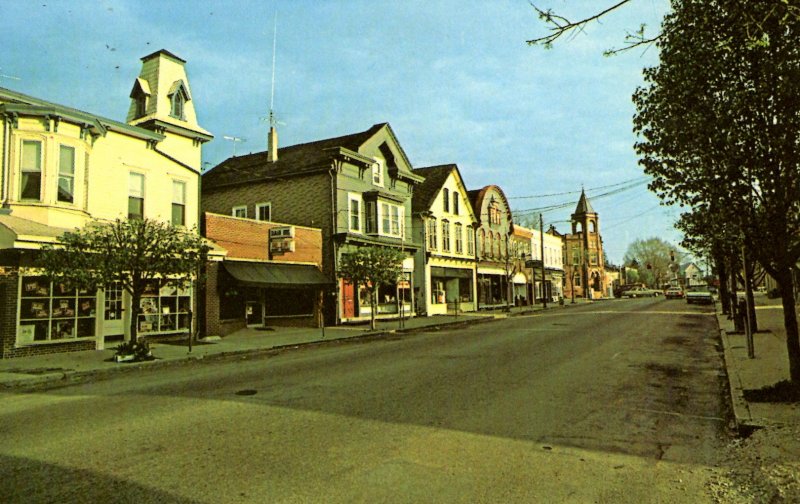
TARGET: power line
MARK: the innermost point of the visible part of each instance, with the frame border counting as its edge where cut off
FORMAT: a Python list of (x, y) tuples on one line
[(638, 179)]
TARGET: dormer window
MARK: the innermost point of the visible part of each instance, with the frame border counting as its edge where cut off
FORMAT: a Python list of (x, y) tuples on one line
[(176, 108), (178, 96), (141, 105), (139, 94)]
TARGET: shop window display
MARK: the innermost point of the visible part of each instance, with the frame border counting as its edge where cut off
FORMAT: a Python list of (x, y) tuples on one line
[(164, 308), (52, 311)]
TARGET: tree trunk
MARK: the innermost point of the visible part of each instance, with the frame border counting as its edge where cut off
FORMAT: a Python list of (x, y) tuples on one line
[(373, 300), (135, 301), (724, 295), (786, 286), (749, 264)]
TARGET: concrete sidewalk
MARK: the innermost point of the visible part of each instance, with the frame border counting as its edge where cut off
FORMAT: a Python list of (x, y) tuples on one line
[(770, 366), (73, 366)]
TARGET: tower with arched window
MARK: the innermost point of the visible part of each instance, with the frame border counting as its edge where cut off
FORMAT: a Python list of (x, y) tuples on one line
[(584, 267)]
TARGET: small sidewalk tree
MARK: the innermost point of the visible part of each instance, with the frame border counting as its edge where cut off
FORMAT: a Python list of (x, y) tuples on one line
[(132, 252), (372, 267)]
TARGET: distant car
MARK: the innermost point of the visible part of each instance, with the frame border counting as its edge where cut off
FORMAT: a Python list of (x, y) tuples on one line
[(674, 293), (640, 292), (699, 294)]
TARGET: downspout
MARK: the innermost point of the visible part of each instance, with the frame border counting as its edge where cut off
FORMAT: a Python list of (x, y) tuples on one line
[(4, 187), (335, 262)]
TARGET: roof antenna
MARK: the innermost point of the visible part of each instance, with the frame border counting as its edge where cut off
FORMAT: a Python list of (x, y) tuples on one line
[(235, 140), (272, 138)]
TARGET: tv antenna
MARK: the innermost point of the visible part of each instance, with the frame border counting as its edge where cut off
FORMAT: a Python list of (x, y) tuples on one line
[(273, 121), (235, 140)]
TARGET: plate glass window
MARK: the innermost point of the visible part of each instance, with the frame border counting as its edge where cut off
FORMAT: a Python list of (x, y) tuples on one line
[(135, 196), (66, 174), (178, 203), (31, 170)]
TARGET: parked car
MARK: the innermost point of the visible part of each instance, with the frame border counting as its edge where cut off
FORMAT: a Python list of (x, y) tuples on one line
[(674, 293), (640, 292), (699, 294)]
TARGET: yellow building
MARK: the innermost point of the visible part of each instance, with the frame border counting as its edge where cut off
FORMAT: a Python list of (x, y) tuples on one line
[(59, 169)]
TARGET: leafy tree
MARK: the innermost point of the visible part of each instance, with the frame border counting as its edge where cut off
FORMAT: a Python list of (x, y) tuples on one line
[(131, 252), (372, 267), (654, 257), (719, 121)]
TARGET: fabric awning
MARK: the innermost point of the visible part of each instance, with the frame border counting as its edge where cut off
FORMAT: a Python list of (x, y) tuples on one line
[(258, 274), (440, 272)]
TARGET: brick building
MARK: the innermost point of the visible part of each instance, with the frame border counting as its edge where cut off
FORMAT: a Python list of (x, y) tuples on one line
[(271, 275), (584, 268), (356, 188)]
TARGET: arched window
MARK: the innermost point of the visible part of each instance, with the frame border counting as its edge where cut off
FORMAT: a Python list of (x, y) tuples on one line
[(497, 242), (592, 228), (482, 244), (490, 244)]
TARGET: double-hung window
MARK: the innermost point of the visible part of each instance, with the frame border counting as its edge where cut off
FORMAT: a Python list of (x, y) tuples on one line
[(66, 174), (355, 214), (377, 173), (135, 195), (432, 245), (455, 203), (445, 236), (264, 211), (395, 216), (459, 232), (31, 170), (470, 242), (178, 203), (391, 219), (446, 200), (239, 211)]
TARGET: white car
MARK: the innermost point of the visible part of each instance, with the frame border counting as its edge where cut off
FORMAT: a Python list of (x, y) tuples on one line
[(640, 292)]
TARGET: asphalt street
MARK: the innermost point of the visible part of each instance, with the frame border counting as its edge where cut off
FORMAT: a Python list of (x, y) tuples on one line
[(610, 402)]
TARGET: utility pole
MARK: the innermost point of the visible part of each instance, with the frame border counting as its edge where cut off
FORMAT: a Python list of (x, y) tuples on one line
[(541, 247)]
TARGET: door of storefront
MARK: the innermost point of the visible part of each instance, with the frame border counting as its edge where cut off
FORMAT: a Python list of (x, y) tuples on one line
[(348, 300), (113, 325), (254, 314)]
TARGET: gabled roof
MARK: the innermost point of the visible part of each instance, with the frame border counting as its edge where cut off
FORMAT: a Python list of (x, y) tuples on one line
[(292, 160), (425, 193), (584, 207)]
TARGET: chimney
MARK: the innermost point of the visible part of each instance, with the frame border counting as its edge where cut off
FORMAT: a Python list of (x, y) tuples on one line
[(272, 144)]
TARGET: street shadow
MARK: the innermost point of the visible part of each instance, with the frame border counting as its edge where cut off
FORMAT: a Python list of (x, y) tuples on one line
[(24, 480), (781, 392)]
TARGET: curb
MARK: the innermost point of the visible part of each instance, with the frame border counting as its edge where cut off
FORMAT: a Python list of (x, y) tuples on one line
[(68, 376), (741, 409)]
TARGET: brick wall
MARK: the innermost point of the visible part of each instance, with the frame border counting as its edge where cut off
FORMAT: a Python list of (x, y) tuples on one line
[(8, 309), (249, 239)]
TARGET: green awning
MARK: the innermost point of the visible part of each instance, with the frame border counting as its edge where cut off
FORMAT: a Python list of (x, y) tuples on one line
[(258, 274)]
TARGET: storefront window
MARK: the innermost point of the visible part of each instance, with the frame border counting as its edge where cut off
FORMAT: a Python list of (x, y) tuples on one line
[(164, 308), (50, 312)]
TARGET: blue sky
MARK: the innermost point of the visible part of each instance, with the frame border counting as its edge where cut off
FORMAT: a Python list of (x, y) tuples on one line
[(455, 79)]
